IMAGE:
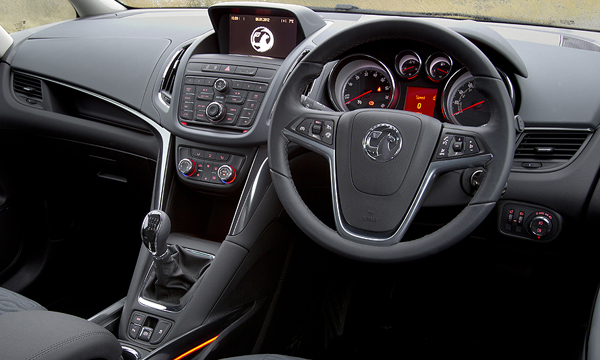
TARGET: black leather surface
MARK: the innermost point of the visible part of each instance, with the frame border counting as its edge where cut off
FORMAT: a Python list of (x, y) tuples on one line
[(11, 302), (47, 335)]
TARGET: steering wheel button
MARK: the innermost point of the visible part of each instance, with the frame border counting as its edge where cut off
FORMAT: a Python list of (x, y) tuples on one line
[(471, 146), (316, 128), (302, 128), (457, 146)]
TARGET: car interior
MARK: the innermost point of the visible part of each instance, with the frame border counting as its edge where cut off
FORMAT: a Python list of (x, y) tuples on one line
[(271, 181)]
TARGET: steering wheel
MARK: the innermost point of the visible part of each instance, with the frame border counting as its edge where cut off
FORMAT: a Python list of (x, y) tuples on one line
[(382, 162)]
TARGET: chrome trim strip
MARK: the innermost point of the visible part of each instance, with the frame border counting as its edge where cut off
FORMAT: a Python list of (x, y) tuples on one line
[(557, 129), (165, 137), (131, 351), (255, 186), (199, 253), (175, 63), (435, 168)]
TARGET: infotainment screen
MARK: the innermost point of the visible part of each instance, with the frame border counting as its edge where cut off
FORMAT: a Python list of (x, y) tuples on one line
[(272, 36)]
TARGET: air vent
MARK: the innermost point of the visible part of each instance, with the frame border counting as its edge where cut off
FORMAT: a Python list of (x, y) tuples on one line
[(550, 148), (28, 89), (166, 87)]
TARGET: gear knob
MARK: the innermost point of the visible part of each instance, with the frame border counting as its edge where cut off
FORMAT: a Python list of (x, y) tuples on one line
[(156, 228)]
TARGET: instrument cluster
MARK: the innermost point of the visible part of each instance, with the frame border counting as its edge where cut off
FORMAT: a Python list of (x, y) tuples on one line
[(436, 87)]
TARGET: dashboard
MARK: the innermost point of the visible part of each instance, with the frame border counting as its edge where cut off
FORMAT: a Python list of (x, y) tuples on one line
[(188, 96)]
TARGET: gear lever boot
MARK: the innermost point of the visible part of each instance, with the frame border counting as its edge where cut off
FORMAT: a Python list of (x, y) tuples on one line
[(174, 272)]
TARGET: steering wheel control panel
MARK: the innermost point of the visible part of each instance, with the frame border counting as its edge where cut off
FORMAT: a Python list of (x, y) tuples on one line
[(148, 329), (528, 221), (208, 166), (224, 95)]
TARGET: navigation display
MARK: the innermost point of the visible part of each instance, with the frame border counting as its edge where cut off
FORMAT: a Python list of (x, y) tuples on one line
[(271, 36)]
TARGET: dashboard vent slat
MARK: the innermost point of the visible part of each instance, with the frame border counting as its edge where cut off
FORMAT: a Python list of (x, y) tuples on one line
[(550, 146), (168, 81), (28, 89)]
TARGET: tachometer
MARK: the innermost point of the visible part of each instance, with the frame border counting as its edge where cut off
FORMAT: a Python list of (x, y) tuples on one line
[(361, 81)]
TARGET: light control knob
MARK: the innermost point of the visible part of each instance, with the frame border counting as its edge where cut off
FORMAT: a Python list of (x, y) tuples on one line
[(215, 111), (540, 226), (187, 167), (226, 173)]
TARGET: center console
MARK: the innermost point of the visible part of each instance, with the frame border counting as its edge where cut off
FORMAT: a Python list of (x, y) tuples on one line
[(215, 282)]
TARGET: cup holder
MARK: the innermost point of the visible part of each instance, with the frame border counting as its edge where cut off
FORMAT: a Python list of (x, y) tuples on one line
[(130, 354)]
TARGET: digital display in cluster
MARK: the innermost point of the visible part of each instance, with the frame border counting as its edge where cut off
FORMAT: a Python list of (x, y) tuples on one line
[(271, 36), (420, 100)]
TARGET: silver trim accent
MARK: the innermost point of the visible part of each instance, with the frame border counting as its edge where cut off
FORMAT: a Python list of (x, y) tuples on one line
[(172, 63), (131, 351), (435, 168), (165, 137), (253, 190)]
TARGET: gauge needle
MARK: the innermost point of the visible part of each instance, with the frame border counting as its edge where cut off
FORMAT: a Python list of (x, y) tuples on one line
[(467, 108), (361, 95), (444, 71)]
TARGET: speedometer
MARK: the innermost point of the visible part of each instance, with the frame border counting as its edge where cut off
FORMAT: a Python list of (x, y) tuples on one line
[(463, 104), (360, 81)]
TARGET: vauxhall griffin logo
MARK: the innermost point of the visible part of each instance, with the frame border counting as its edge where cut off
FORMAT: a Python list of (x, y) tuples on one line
[(262, 39), (382, 143)]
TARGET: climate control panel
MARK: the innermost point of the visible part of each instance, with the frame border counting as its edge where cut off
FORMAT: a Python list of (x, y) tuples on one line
[(528, 221), (208, 166)]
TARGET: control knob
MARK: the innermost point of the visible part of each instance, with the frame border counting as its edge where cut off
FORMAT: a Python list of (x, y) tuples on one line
[(187, 167), (215, 111), (226, 173), (221, 85), (540, 226)]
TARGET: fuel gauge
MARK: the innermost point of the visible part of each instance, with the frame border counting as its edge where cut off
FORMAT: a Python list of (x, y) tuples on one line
[(408, 64), (438, 66)]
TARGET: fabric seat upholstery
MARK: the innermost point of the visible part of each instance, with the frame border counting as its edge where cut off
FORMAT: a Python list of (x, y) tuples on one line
[(10, 301)]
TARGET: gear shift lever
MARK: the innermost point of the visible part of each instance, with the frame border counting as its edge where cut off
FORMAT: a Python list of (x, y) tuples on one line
[(174, 272), (155, 231)]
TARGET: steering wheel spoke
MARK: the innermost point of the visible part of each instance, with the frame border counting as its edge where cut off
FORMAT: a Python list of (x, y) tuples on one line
[(460, 147), (314, 130)]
